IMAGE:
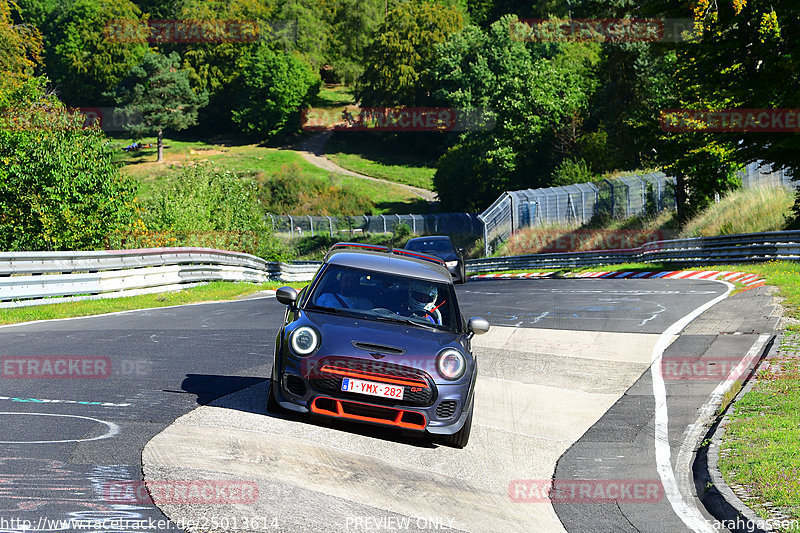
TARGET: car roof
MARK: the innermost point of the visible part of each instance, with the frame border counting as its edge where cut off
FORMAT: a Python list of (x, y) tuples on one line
[(431, 238), (391, 264)]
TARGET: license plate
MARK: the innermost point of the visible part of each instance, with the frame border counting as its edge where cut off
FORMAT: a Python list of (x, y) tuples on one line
[(373, 389)]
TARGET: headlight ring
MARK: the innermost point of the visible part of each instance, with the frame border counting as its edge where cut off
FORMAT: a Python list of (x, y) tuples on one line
[(304, 341), (451, 364)]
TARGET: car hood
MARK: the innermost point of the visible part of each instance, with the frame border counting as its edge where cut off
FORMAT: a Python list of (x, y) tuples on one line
[(338, 333)]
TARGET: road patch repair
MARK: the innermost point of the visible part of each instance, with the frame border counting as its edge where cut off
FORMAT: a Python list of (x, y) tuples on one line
[(539, 392)]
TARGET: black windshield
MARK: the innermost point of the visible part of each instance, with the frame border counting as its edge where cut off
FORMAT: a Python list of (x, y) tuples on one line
[(383, 296)]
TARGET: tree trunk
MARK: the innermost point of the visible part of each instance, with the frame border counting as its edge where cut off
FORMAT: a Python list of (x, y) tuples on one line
[(160, 146)]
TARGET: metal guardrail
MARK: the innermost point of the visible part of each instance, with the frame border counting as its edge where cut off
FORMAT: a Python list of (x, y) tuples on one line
[(35, 278), (744, 248)]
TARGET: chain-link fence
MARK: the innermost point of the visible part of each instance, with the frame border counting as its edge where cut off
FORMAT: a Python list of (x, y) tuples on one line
[(576, 204), (434, 223), (759, 174), (572, 204)]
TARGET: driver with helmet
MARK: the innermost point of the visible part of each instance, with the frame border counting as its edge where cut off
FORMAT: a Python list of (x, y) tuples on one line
[(422, 299)]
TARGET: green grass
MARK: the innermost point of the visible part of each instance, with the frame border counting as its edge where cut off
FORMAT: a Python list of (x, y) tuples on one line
[(605, 234), (761, 447), (334, 99), (746, 210), (254, 160), (214, 291), (372, 156), (333, 96)]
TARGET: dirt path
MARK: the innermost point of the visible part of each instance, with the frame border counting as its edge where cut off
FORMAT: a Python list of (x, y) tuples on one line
[(313, 150)]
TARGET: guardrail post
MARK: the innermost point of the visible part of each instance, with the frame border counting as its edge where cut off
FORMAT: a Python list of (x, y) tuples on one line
[(311, 223), (291, 226), (330, 224), (413, 224), (384, 223), (273, 222)]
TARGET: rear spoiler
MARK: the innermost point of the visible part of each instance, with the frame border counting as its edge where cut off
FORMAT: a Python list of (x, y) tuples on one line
[(342, 246)]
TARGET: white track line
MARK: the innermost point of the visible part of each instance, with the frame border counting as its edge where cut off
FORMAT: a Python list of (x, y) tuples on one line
[(683, 462), (689, 514)]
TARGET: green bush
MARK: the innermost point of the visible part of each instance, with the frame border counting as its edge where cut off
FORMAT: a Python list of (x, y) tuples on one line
[(570, 171), (402, 230), (288, 192), (272, 89), (211, 207), (59, 186)]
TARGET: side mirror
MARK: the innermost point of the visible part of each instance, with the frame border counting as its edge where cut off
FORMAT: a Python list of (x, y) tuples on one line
[(478, 326), (286, 295)]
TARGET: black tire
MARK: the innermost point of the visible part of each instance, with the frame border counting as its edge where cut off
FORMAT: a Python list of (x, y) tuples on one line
[(460, 438), (272, 404)]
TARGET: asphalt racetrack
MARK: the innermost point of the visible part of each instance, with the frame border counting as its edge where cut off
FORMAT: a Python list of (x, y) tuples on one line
[(178, 394)]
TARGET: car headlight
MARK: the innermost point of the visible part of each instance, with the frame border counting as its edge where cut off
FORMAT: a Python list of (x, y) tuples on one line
[(451, 264), (451, 364), (304, 340)]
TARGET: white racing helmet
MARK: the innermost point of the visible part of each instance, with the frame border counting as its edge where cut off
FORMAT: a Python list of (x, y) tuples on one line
[(424, 296)]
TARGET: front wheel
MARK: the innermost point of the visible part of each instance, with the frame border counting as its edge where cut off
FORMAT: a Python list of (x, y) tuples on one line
[(272, 404), (460, 438)]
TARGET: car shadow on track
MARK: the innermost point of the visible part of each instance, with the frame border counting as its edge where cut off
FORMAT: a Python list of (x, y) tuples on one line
[(249, 395), (209, 388)]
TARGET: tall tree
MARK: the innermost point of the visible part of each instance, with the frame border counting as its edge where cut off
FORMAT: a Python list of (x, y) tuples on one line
[(272, 89), (212, 66), (84, 58), (536, 91), (398, 62), (353, 25), (741, 48), (156, 95), (20, 45)]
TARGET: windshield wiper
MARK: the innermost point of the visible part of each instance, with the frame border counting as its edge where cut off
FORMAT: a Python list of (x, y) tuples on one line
[(405, 320), (332, 310)]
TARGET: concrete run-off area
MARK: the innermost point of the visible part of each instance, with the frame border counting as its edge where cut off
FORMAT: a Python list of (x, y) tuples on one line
[(540, 389)]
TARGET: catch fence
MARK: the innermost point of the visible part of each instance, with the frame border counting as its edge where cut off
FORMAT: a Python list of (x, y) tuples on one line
[(576, 204), (616, 198)]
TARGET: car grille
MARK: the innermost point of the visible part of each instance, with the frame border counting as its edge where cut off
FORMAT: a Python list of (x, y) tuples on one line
[(446, 409), (328, 373)]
